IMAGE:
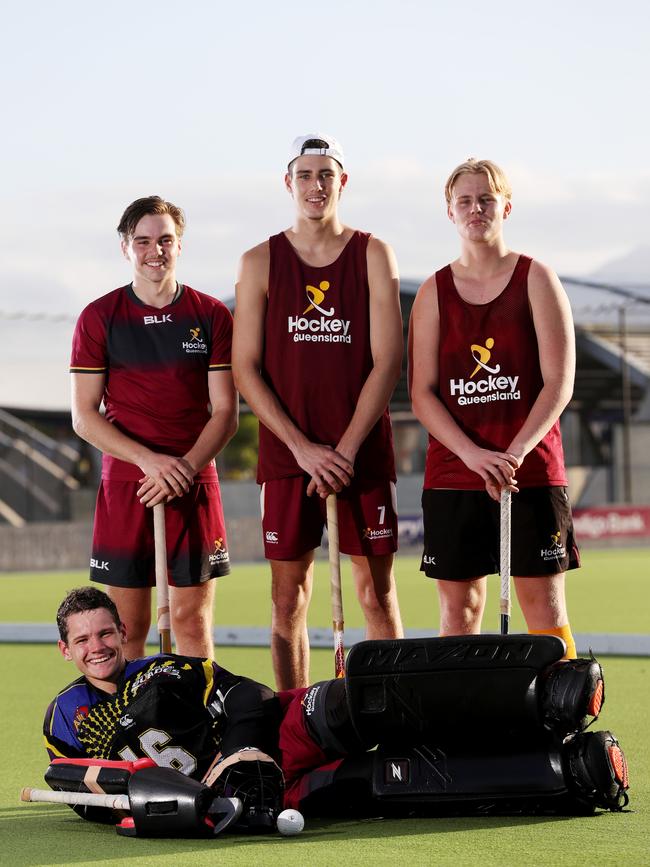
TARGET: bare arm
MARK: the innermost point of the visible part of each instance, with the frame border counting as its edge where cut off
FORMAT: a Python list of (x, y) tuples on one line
[(386, 345), (216, 434), (556, 338), (424, 341), (321, 462), (172, 474)]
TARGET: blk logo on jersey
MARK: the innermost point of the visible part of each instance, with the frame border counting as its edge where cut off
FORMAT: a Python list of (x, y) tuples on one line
[(324, 328), (484, 388), (219, 555), (157, 320), (102, 565), (556, 549), (195, 343)]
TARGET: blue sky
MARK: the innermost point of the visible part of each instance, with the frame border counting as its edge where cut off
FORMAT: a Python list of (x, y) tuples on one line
[(199, 102)]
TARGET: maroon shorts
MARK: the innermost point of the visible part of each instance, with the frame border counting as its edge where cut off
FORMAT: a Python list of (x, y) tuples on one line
[(292, 522), (305, 765), (123, 546)]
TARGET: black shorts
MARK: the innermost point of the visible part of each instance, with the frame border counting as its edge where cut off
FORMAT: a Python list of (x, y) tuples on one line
[(461, 534)]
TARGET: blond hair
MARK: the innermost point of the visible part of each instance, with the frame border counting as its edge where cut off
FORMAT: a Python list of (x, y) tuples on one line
[(496, 177)]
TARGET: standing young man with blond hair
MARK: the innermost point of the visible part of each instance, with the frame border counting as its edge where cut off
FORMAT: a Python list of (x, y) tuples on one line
[(317, 351), (156, 353), (493, 362)]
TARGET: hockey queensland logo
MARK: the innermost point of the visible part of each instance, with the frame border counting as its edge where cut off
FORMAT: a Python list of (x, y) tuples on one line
[(377, 533), (556, 550), (486, 383), (196, 343), (321, 325), (220, 554)]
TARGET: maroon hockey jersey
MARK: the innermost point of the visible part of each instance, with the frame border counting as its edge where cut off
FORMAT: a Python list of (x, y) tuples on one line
[(489, 378), (317, 356), (156, 363)]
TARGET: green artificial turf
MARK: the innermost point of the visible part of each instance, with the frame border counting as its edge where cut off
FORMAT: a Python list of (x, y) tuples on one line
[(606, 595), (39, 834)]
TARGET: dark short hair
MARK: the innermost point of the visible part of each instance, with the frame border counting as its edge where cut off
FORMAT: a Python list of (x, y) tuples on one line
[(84, 599), (149, 205)]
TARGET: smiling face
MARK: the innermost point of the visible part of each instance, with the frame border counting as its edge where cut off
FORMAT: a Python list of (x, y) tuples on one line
[(95, 643), (153, 248), (476, 209), (315, 182)]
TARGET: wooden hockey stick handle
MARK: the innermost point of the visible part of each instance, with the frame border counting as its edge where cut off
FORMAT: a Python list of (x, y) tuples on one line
[(84, 799), (162, 581)]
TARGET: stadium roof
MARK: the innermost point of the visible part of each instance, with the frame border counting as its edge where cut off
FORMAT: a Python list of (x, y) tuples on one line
[(600, 333), (34, 352)]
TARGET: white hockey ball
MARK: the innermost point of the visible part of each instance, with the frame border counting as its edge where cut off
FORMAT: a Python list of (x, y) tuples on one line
[(290, 822)]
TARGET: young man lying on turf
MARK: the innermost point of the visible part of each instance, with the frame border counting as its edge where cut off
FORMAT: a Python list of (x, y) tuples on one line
[(307, 748)]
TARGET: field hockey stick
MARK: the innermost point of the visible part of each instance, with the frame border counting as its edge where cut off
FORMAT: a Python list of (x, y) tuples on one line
[(82, 799), (335, 584), (504, 559), (162, 583)]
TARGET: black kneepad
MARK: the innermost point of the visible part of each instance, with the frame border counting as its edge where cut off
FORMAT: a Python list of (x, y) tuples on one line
[(572, 691), (596, 770)]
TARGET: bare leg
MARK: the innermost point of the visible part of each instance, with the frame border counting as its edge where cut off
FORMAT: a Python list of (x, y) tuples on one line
[(542, 600), (461, 606), (290, 594), (191, 614), (134, 607), (377, 594)]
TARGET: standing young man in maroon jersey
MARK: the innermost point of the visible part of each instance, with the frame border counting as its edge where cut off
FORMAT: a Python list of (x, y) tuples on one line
[(493, 362), (157, 354), (317, 351)]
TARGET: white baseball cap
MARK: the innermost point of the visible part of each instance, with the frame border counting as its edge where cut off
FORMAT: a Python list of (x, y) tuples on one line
[(318, 144)]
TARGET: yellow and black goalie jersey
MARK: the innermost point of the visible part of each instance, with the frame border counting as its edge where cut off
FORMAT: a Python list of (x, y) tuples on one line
[(169, 708)]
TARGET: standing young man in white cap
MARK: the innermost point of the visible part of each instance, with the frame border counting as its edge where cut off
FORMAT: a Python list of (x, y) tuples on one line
[(317, 351)]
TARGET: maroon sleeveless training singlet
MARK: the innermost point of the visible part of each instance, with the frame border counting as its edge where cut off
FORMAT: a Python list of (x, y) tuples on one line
[(489, 378), (317, 356)]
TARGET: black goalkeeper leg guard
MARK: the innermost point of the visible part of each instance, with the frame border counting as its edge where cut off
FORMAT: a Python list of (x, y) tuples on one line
[(444, 689), (586, 772), (575, 778)]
